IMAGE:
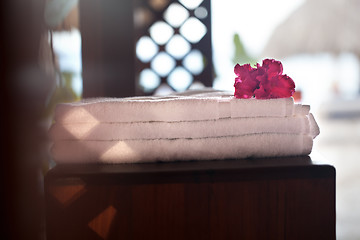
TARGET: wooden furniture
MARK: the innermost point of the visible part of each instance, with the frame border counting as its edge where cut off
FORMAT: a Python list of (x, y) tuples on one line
[(274, 198)]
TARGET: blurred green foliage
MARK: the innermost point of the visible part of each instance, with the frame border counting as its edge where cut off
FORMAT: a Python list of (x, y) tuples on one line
[(63, 92), (240, 55)]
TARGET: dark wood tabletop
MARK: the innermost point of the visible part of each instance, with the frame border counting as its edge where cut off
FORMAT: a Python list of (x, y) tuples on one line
[(213, 170), (268, 198)]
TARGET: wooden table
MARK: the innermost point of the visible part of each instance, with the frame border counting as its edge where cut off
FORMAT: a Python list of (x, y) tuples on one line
[(274, 198)]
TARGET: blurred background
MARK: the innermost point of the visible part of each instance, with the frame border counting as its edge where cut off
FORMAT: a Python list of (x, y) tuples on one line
[(86, 48)]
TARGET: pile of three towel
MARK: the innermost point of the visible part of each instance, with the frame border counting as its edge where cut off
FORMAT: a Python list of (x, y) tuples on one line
[(190, 126)]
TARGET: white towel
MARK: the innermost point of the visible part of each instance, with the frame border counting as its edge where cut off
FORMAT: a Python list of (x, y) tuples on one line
[(188, 126), (229, 147), (171, 108), (185, 129)]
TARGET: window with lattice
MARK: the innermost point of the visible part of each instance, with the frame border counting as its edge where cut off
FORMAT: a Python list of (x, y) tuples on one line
[(173, 44)]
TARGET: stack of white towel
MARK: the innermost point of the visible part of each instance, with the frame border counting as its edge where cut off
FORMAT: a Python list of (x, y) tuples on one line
[(189, 126)]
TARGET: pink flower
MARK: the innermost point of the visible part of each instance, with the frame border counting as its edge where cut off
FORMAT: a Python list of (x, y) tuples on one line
[(263, 82), (245, 83)]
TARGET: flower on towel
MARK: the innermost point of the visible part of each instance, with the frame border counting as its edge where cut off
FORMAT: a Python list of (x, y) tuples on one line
[(263, 82), (245, 83)]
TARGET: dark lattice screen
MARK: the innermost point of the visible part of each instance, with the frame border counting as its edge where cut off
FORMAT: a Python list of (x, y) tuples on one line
[(173, 44)]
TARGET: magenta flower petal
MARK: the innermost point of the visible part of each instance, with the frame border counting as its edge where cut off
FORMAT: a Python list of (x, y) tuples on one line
[(262, 82), (272, 67), (261, 93), (239, 70), (283, 87), (245, 83), (243, 90)]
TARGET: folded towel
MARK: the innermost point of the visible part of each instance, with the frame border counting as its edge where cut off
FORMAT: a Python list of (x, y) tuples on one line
[(185, 129), (187, 126), (314, 127), (171, 108), (229, 147)]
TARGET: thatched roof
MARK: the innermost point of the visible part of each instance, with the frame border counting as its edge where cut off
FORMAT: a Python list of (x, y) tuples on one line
[(318, 26)]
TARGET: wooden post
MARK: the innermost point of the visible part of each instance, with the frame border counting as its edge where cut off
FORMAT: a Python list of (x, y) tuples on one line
[(108, 50), (23, 91)]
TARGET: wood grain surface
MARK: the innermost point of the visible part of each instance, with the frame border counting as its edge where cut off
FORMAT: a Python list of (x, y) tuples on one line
[(275, 198)]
